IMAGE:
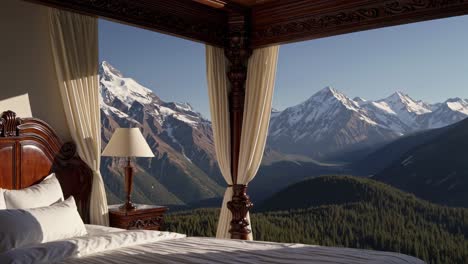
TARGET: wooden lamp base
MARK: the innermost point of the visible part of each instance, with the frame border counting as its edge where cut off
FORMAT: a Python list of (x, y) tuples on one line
[(128, 205)]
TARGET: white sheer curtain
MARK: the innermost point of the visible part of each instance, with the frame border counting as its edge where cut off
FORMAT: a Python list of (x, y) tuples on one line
[(260, 83), (74, 43), (261, 73), (216, 67)]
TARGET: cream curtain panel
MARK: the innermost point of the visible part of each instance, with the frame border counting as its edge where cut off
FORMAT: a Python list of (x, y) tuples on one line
[(260, 84), (261, 73), (74, 43), (216, 67)]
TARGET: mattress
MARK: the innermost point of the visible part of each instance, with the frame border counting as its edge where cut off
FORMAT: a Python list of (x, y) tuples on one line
[(116, 246)]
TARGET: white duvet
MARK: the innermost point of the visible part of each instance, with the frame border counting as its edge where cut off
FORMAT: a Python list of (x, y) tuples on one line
[(115, 246), (99, 239)]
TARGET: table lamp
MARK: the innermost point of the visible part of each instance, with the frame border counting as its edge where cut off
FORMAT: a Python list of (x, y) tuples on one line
[(128, 142)]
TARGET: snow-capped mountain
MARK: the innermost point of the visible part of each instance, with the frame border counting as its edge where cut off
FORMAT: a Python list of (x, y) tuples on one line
[(119, 93), (329, 122), (180, 137), (398, 111), (326, 123), (185, 170), (415, 115), (443, 114)]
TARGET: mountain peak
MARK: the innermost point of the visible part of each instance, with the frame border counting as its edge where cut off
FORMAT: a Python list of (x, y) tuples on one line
[(105, 68), (328, 90), (455, 104), (132, 95), (400, 101), (104, 63), (399, 95), (125, 89), (329, 96)]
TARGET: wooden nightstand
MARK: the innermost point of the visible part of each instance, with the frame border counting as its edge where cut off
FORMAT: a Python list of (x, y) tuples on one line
[(149, 217)]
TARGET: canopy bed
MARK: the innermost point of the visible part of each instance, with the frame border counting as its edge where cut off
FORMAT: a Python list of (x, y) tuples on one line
[(30, 150), (242, 38)]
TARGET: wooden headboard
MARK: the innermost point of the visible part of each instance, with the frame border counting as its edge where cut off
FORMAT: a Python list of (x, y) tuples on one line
[(30, 150)]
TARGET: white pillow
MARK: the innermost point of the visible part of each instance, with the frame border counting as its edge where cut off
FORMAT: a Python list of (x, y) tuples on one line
[(42, 194), (2, 200), (22, 227)]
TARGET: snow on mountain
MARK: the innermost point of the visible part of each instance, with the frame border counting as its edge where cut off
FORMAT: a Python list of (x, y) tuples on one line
[(406, 103), (181, 139), (331, 120), (384, 115), (458, 105), (327, 122), (322, 107), (119, 94), (446, 113), (126, 90), (404, 107)]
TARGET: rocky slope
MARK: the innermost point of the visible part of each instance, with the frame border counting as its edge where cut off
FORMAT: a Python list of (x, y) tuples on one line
[(184, 169)]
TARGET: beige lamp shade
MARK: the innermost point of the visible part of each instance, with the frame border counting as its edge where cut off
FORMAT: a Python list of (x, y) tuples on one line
[(127, 142)]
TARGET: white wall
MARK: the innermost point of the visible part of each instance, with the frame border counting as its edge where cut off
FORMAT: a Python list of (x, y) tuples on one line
[(26, 65), (19, 104)]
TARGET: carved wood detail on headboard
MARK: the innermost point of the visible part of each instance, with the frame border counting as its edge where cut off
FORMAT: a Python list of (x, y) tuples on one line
[(8, 124), (30, 150)]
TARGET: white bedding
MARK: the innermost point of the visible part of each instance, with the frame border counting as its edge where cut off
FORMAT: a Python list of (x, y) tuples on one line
[(114, 246), (94, 230), (78, 247)]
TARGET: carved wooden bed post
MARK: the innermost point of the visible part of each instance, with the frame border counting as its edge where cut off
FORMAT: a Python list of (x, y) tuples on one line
[(237, 50)]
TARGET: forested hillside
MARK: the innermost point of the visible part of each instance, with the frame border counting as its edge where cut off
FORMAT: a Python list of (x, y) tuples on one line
[(350, 212), (437, 170)]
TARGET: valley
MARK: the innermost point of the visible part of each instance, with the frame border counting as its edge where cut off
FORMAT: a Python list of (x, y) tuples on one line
[(327, 134)]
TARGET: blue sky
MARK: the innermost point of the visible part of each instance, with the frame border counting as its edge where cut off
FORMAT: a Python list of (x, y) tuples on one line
[(427, 60)]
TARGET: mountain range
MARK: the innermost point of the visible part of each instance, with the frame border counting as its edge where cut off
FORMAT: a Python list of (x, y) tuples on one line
[(329, 124), (319, 136)]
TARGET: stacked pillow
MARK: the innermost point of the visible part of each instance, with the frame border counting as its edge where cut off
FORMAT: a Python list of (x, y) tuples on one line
[(37, 214), (45, 193), (23, 227)]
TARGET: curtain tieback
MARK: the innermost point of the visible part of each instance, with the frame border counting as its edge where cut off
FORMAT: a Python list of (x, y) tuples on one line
[(237, 185)]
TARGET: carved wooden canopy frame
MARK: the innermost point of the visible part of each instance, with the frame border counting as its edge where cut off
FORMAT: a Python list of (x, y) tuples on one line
[(270, 22), (30, 150), (241, 28)]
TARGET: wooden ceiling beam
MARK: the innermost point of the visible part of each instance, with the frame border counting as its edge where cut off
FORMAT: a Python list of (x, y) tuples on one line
[(286, 21), (182, 18), (271, 21)]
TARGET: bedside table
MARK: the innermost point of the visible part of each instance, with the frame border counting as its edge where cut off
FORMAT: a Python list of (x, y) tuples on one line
[(149, 217)]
